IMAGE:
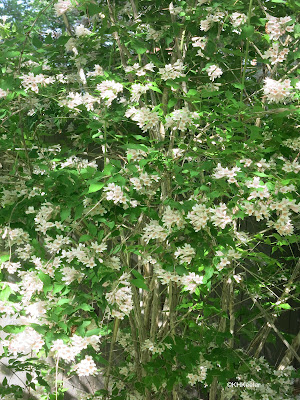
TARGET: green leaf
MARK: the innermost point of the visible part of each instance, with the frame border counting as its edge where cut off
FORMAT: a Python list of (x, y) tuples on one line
[(247, 32), (94, 187), (14, 328), (65, 213), (5, 293), (85, 238), (137, 274), (78, 212), (140, 284)]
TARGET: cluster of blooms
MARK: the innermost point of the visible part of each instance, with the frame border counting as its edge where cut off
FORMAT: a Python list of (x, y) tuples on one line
[(238, 19), (214, 72), (24, 342), (145, 118), (277, 91), (11, 267), (279, 188), (275, 55), (9, 308), (172, 71), (42, 218), (191, 281), (14, 236), (78, 343), (207, 23), (78, 163), (80, 30), (277, 27), (74, 100), (137, 89), (219, 216), (3, 93), (198, 216), (143, 180), (154, 231), (30, 284), (185, 253), (55, 245), (230, 174), (139, 70), (93, 209), (181, 119), (148, 345), (70, 274), (199, 376), (31, 81), (172, 217), (135, 155), (226, 257), (115, 193), (284, 224), (166, 277), (113, 262), (199, 42), (121, 297), (290, 166), (292, 143), (262, 190), (152, 34), (125, 340), (70, 46), (109, 90), (83, 254), (98, 71), (62, 6)]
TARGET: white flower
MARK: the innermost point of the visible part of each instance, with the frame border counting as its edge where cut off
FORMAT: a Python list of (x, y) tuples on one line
[(86, 367), (3, 93), (154, 231), (109, 90), (172, 71), (277, 91), (80, 30), (185, 253), (62, 6), (214, 72), (238, 19)]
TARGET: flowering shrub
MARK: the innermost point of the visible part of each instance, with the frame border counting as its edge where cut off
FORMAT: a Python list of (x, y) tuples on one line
[(149, 198)]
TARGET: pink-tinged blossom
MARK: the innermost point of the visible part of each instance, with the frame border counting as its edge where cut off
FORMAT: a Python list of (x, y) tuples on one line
[(185, 253), (219, 216), (198, 216), (109, 90), (275, 55), (115, 193), (277, 27), (31, 81), (62, 6), (191, 281), (277, 91), (25, 342), (3, 93), (214, 72), (86, 367), (172, 71), (154, 231), (181, 119), (145, 118), (172, 217), (238, 19)]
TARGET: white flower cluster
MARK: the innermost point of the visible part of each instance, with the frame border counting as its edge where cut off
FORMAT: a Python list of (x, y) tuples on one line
[(125, 340), (98, 71), (172, 217), (154, 231), (109, 90), (198, 216), (185, 253), (181, 119), (139, 70), (277, 27), (78, 343), (262, 190), (230, 174), (226, 256), (275, 55), (30, 285), (145, 118), (74, 100), (121, 297), (113, 262), (155, 348), (115, 193), (214, 72), (191, 281), (135, 154), (79, 163), (172, 71), (219, 216), (70, 274), (55, 245), (277, 91), (25, 342), (238, 19), (144, 180), (199, 376), (207, 23), (201, 43), (3, 93), (42, 218), (62, 6), (83, 254), (80, 30), (11, 267), (137, 89), (31, 81), (9, 308), (166, 277)]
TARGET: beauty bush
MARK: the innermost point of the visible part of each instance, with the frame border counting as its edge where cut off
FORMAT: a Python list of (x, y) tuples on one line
[(149, 198)]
